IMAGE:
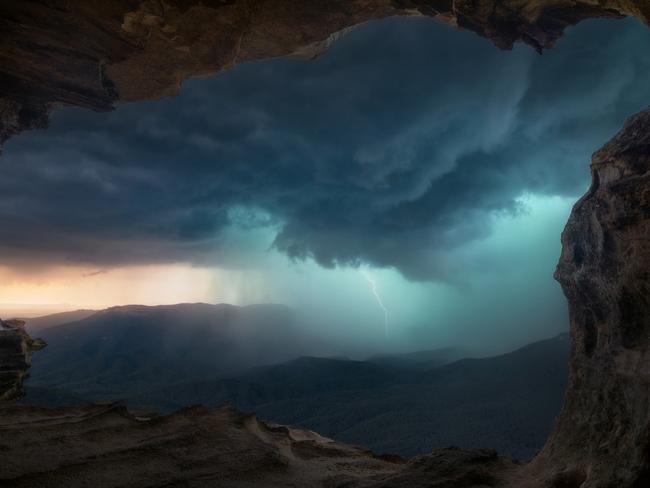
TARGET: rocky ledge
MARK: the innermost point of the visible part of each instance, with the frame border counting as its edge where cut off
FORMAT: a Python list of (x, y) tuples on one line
[(106, 446), (16, 348)]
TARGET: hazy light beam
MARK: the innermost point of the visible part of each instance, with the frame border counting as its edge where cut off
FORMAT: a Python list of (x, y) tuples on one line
[(373, 289)]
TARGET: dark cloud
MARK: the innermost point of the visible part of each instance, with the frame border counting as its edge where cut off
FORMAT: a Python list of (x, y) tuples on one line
[(391, 149)]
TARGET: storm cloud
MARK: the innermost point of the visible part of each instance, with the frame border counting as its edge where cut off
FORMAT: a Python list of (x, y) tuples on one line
[(393, 149)]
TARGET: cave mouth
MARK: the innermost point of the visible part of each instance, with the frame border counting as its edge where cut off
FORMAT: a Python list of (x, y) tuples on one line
[(288, 205)]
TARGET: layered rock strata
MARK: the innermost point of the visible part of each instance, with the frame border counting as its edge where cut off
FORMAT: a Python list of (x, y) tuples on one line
[(106, 446), (93, 54)]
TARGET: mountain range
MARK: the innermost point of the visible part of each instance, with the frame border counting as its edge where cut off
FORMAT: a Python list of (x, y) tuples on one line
[(120, 350), (164, 358)]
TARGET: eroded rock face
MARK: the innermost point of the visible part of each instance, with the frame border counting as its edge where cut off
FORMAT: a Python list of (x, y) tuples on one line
[(16, 348), (602, 437), (106, 446), (93, 54)]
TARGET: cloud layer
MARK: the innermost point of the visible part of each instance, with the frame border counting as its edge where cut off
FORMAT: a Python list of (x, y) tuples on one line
[(392, 149)]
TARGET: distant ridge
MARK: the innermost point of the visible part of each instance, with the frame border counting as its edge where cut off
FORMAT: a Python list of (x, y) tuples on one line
[(167, 357), (36, 324), (114, 352), (425, 359)]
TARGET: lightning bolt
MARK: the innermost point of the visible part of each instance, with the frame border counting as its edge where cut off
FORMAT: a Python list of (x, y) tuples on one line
[(373, 289)]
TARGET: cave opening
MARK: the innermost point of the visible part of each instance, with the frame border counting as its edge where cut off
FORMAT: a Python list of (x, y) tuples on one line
[(371, 220)]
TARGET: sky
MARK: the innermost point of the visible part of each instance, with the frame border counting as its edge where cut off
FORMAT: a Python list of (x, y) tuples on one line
[(411, 153)]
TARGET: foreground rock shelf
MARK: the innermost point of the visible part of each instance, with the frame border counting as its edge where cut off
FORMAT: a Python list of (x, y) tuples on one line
[(105, 446)]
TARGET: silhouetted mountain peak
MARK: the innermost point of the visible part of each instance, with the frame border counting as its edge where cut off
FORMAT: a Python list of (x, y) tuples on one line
[(132, 345)]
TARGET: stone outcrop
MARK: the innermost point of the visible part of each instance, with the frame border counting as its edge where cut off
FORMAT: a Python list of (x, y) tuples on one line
[(16, 348), (106, 446), (602, 437), (94, 54)]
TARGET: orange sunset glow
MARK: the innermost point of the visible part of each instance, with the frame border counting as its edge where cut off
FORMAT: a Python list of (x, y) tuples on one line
[(55, 289)]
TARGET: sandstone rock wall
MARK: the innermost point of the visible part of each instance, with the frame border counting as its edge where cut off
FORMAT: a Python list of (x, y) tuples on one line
[(602, 437), (16, 348)]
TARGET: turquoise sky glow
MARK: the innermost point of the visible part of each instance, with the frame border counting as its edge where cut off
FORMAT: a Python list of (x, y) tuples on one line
[(442, 166)]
